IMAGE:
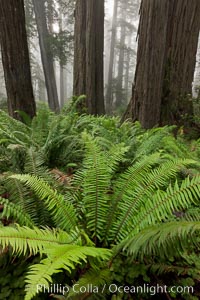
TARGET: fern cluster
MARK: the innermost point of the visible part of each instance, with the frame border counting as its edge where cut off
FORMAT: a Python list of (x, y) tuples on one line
[(131, 193), (57, 139), (105, 212)]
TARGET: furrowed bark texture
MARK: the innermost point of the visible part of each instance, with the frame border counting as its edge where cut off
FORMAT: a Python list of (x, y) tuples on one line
[(168, 37), (89, 46), (15, 58), (122, 46), (109, 97), (46, 54), (180, 59), (80, 49)]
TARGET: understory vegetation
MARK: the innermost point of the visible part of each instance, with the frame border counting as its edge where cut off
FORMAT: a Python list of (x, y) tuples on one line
[(88, 200)]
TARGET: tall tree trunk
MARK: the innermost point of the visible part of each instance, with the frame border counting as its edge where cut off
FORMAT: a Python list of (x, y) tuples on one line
[(15, 57), (181, 47), (46, 54), (79, 86), (62, 95), (50, 15), (41, 90), (111, 61), (168, 36), (196, 82), (94, 56), (128, 57), (119, 85), (147, 88), (88, 68), (65, 79)]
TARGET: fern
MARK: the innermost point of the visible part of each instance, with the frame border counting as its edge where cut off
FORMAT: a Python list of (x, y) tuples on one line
[(14, 132), (165, 240), (164, 268), (17, 192), (99, 277), (15, 212), (35, 240), (20, 194), (61, 211), (66, 257), (57, 245), (192, 214), (151, 140), (34, 163), (135, 211), (116, 155), (41, 124), (96, 180), (141, 192), (124, 188), (177, 147), (163, 203)]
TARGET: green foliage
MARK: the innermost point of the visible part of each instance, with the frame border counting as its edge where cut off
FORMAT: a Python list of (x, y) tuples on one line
[(166, 240), (15, 212), (66, 257), (58, 138), (62, 250), (12, 276), (61, 210), (133, 192), (162, 204)]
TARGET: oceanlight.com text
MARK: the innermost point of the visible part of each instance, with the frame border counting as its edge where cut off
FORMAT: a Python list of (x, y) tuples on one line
[(112, 289)]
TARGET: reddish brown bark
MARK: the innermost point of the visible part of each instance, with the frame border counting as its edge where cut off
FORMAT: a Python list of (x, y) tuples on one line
[(88, 58), (168, 37), (15, 58), (46, 54)]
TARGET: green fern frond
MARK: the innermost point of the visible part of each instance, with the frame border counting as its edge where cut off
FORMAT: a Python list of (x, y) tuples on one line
[(176, 147), (54, 132), (14, 131), (192, 214), (124, 192), (35, 240), (163, 203), (17, 192), (41, 124), (165, 240), (164, 268), (152, 140), (34, 163), (116, 155), (160, 176), (98, 277), (62, 257), (146, 204), (16, 212), (62, 211), (21, 195), (96, 181)]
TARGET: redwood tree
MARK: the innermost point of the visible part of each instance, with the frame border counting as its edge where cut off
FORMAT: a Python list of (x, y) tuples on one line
[(80, 49), (120, 73), (46, 53), (15, 58), (168, 37), (88, 55), (111, 59)]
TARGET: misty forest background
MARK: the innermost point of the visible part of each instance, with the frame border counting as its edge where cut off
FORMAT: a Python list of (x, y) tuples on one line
[(72, 54), (120, 25), (100, 149)]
